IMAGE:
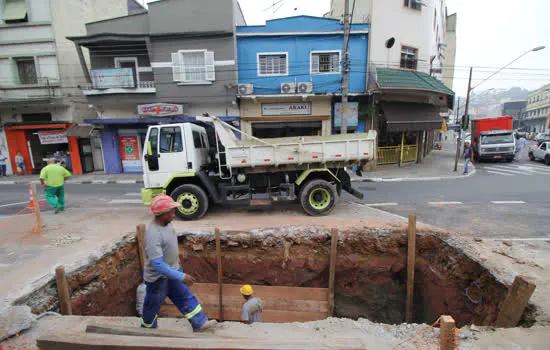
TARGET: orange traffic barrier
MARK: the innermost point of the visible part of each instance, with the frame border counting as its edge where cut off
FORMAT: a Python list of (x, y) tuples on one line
[(31, 200)]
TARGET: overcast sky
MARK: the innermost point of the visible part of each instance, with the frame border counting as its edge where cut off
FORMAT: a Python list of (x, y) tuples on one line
[(490, 34)]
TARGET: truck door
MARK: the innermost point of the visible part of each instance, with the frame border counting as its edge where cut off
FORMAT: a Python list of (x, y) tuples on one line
[(169, 158)]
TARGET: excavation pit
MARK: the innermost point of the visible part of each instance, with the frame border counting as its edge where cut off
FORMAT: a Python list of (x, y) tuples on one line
[(370, 276)]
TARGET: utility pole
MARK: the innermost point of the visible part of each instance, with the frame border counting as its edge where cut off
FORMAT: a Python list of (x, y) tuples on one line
[(464, 119), (345, 64)]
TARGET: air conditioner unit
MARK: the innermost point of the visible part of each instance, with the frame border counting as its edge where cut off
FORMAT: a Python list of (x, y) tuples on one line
[(305, 88), (246, 89), (288, 88)]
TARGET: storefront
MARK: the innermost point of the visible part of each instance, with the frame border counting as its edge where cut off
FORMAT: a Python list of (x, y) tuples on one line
[(277, 117), (38, 142)]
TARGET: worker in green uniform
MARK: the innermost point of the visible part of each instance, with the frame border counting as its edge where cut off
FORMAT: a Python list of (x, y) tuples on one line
[(53, 178)]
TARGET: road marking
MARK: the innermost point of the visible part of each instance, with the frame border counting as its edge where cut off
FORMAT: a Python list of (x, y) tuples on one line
[(94, 182), (7, 182), (508, 202), (499, 173), (535, 169), (126, 201), (133, 194), (517, 172), (40, 199), (379, 204), (402, 218), (444, 203), (126, 181)]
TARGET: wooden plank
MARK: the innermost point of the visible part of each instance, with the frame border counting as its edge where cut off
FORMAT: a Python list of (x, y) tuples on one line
[(332, 271), (140, 237), (447, 338), (233, 290), (234, 314), (63, 291), (220, 275), (114, 329), (411, 263), (90, 341), (516, 301)]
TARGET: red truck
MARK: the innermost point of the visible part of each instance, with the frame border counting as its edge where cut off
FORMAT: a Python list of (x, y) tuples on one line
[(493, 138)]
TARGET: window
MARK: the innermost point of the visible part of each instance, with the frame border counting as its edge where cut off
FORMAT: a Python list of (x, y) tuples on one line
[(26, 70), (15, 11), (409, 57), (131, 63), (272, 64), (153, 162), (204, 141), (325, 62), (543, 146), (193, 66), (170, 140), (197, 139), (412, 4)]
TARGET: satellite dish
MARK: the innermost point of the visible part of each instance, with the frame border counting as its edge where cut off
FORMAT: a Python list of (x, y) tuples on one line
[(390, 42)]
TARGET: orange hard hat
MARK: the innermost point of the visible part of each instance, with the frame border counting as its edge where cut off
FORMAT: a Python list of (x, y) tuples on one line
[(161, 204)]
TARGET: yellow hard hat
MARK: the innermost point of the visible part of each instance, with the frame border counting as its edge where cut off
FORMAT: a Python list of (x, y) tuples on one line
[(246, 289)]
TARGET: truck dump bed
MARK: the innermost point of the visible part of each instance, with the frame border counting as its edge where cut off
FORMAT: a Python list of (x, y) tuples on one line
[(343, 149)]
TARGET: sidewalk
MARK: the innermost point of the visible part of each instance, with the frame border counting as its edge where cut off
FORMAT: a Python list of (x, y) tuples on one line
[(91, 178), (438, 165)]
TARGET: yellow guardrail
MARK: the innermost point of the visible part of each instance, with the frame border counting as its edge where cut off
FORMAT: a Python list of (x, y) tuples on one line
[(392, 154)]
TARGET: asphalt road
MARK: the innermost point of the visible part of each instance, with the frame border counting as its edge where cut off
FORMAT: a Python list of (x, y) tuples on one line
[(509, 200)]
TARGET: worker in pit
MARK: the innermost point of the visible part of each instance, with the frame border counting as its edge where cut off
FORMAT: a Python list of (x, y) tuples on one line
[(163, 275), (252, 308)]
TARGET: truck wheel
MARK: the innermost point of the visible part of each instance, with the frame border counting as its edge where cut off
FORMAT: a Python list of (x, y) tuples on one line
[(318, 197), (531, 156), (193, 200)]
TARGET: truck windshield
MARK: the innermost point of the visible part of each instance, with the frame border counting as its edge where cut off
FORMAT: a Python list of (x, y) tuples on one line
[(494, 139)]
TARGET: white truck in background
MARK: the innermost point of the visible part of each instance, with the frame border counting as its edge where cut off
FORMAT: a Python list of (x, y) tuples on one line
[(204, 163)]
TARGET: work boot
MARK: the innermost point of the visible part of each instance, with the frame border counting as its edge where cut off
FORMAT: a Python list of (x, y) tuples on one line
[(209, 326), (57, 210)]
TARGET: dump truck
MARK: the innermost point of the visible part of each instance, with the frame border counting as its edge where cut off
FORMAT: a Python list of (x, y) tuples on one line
[(204, 163), (493, 139)]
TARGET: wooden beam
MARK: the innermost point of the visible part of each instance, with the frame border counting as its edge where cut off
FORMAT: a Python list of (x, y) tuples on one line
[(136, 331), (332, 271), (516, 301), (140, 238), (411, 261), (63, 291), (447, 334), (38, 223), (220, 276)]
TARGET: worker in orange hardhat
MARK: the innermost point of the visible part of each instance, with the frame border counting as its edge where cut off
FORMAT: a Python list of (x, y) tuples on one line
[(252, 308), (162, 273)]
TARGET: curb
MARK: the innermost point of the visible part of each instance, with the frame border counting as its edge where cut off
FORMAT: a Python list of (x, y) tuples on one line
[(405, 179), (75, 182)]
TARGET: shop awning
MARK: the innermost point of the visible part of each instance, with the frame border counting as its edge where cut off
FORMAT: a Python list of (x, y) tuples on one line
[(82, 130), (14, 10), (404, 116)]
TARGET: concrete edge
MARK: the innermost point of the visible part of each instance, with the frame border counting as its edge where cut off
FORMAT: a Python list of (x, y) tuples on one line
[(75, 182), (406, 179)]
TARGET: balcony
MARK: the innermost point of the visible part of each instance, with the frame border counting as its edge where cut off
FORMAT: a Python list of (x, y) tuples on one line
[(117, 81)]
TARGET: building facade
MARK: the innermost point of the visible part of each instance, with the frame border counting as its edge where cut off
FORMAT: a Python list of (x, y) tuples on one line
[(290, 73), (538, 110), (39, 76), (517, 110), (404, 33), (169, 64)]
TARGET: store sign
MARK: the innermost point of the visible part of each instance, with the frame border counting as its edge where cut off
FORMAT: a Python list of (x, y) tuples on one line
[(352, 114), (113, 78), (160, 109), (297, 108), (53, 137), (129, 153)]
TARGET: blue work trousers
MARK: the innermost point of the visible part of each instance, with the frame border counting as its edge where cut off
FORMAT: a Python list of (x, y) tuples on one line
[(180, 295)]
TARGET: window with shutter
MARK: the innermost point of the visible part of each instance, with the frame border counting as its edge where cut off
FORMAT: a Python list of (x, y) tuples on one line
[(210, 68), (193, 66), (325, 62), (177, 68)]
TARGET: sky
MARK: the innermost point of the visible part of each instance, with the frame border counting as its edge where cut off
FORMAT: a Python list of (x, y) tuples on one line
[(490, 34)]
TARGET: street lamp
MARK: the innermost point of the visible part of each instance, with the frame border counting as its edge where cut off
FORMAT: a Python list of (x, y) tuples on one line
[(465, 118)]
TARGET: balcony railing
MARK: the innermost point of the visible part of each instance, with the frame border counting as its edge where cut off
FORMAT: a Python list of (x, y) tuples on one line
[(141, 85), (117, 81)]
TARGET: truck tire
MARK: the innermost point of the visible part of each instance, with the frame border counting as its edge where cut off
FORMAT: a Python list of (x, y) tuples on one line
[(547, 160), (318, 197), (531, 156), (193, 200)]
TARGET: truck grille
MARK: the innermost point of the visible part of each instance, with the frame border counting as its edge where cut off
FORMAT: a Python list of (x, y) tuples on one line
[(498, 149)]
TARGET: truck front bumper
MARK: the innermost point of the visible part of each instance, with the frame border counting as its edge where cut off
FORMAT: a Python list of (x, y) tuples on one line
[(497, 156), (147, 194)]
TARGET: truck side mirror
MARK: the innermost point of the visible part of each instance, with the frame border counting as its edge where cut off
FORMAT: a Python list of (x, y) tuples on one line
[(149, 149)]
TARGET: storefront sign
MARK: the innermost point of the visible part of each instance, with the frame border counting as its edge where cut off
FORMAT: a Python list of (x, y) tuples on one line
[(113, 78), (160, 109), (295, 108), (129, 153), (53, 137), (352, 114)]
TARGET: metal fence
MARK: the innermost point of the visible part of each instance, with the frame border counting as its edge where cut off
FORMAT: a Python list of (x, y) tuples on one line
[(392, 154)]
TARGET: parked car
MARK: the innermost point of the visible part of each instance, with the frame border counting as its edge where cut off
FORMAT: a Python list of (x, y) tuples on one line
[(540, 152), (542, 137)]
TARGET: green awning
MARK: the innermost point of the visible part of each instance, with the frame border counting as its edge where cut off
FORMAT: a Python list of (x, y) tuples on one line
[(14, 10)]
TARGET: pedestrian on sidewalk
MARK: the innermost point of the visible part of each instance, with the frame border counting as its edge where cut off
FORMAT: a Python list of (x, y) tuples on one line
[(52, 178), (467, 156), (20, 162), (252, 308), (163, 275), (3, 164)]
